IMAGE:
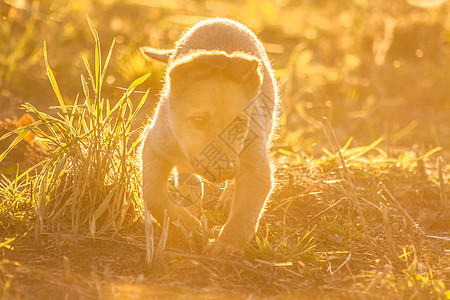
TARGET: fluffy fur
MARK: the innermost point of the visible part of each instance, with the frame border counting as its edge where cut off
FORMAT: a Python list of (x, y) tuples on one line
[(215, 118)]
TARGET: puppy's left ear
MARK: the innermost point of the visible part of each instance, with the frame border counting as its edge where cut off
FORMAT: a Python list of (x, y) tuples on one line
[(247, 70), (161, 55)]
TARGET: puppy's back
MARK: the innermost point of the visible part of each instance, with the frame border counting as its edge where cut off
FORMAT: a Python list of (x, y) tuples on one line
[(220, 34)]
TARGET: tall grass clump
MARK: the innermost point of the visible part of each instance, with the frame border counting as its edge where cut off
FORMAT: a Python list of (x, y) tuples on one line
[(90, 180)]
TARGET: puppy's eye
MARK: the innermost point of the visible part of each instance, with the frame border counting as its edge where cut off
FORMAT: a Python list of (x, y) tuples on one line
[(199, 122)]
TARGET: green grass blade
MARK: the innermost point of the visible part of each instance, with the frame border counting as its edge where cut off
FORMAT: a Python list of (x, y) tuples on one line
[(92, 27), (72, 115), (431, 152), (53, 81), (97, 56), (129, 91), (366, 149), (105, 204), (42, 196), (97, 70), (91, 76), (347, 144), (108, 58), (138, 108), (136, 83), (85, 86), (17, 140)]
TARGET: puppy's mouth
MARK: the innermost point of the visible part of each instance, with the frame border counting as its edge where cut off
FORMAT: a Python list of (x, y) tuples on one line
[(221, 178), (218, 179), (218, 171)]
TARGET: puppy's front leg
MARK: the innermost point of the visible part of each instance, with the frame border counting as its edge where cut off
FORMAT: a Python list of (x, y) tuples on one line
[(155, 174), (253, 185)]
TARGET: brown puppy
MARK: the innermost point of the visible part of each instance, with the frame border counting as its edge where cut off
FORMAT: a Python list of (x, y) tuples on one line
[(215, 118)]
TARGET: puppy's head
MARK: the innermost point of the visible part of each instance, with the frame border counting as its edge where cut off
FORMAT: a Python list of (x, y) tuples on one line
[(210, 93)]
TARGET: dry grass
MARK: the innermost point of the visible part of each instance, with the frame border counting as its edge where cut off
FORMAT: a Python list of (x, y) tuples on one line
[(310, 244), (359, 222)]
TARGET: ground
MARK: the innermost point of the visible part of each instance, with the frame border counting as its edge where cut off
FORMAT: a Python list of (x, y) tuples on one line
[(361, 204)]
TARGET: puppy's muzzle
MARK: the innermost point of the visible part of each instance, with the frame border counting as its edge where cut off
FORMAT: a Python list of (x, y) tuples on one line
[(219, 171)]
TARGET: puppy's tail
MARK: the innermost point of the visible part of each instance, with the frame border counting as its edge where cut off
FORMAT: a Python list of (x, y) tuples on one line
[(157, 54)]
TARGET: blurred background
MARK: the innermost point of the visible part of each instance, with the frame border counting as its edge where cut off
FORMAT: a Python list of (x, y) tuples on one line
[(373, 68)]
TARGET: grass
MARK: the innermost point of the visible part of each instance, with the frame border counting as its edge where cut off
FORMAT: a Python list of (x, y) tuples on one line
[(346, 219), (91, 175)]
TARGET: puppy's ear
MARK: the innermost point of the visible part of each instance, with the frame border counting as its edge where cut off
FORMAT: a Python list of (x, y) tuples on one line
[(186, 71), (161, 55), (242, 68), (247, 70)]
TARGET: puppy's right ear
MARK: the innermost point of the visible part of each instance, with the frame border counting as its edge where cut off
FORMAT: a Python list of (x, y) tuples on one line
[(246, 69), (162, 55)]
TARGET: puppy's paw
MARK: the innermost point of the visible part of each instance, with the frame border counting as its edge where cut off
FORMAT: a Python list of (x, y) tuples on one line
[(221, 249), (224, 202)]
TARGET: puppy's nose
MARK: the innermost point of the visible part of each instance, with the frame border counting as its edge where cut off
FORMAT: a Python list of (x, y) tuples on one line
[(231, 169)]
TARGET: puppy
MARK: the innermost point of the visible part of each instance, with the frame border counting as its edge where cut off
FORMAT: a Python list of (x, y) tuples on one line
[(215, 118)]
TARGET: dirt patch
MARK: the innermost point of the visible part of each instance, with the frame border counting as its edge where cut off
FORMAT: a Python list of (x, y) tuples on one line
[(107, 269)]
